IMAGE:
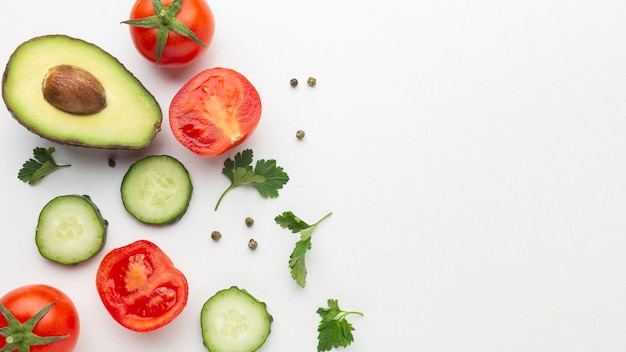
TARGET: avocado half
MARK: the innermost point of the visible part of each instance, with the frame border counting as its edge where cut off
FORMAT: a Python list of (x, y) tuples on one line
[(72, 92)]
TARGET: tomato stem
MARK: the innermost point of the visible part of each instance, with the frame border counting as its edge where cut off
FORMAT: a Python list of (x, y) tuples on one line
[(19, 336), (164, 18)]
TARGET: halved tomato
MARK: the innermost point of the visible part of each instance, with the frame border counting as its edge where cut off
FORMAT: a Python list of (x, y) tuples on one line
[(140, 287), (215, 111)]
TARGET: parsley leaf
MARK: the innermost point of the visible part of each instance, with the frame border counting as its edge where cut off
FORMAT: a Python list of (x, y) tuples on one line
[(334, 330), (297, 259), (40, 166), (266, 176)]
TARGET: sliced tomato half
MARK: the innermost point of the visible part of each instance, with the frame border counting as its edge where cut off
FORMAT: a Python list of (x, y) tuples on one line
[(140, 287), (215, 111)]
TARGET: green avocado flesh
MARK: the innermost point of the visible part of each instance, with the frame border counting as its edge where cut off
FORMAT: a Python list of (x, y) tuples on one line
[(130, 119)]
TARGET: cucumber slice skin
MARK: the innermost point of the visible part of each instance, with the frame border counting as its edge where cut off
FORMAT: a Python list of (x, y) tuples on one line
[(157, 190), (70, 229), (221, 334)]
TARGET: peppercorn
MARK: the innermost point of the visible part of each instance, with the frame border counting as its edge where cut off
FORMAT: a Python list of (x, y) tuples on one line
[(249, 221), (216, 235), (299, 134), (111, 162), (252, 244), (311, 81), (293, 82)]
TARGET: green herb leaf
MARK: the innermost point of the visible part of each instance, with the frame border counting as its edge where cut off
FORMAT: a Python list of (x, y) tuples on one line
[(40, 166), (290, 221), (266, 176), (334, 330), (297, 261)]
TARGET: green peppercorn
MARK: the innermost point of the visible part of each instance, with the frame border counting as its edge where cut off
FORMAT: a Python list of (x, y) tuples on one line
[(299, 134), (293, 82), (216, 235), (249, 221), (252, 244), (311, 81)]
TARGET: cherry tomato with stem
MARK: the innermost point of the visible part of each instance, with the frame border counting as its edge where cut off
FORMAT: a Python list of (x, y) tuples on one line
[(171, 33), (38, 318)]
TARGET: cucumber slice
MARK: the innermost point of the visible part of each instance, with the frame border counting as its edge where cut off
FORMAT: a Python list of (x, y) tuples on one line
[(234, 321), (157, 190), (70, 229)]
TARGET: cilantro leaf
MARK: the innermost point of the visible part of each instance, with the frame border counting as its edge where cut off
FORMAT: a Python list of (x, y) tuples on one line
[(266, 176), (40, 166), (334, 330), (297, 261)]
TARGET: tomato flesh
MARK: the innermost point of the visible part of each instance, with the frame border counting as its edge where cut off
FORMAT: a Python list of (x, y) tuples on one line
[(215, 111), (140, 287), (61, 320)]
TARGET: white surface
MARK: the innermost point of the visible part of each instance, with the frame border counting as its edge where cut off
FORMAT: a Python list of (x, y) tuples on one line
[(472, 153)]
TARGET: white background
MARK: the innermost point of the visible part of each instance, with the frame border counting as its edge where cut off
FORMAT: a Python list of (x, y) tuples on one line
[(473, 154)]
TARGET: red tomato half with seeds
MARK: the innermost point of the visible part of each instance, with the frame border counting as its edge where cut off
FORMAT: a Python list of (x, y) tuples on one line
[(215, 111), (140, 287), (60, 323)]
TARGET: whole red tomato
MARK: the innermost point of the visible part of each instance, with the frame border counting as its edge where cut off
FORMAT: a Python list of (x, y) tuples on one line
[(58, 328), (171, 33), (140, 287), (215, 111)]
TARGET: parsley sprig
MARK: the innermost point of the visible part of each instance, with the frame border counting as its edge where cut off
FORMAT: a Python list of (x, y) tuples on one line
[(40, 166), (297, 259), (266, 176), (334, 330)]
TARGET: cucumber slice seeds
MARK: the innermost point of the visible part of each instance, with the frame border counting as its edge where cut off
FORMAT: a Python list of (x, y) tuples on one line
[(70, 229), (234, 321), (157, 190)]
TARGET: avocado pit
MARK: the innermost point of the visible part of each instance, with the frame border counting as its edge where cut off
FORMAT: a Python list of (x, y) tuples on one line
[(73, 90)]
